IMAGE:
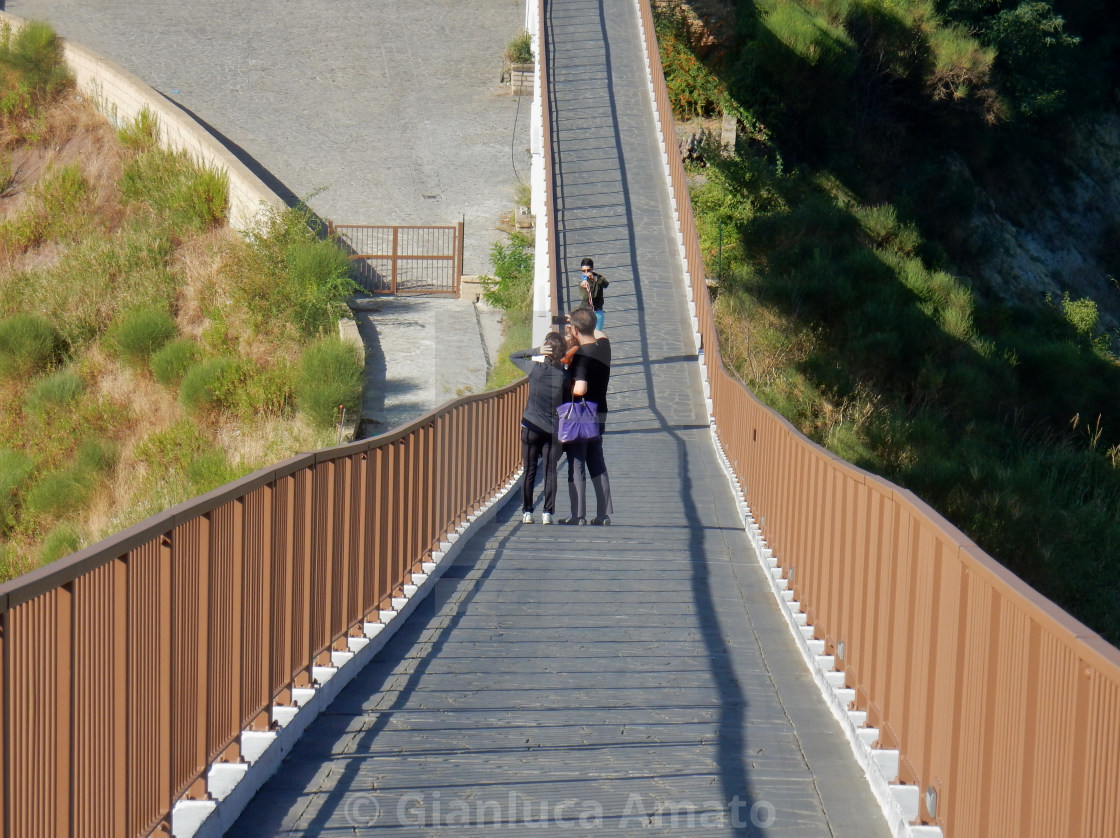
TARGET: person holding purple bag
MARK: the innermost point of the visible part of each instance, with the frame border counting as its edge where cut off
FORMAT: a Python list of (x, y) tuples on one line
[(548, 387), (589, 371)]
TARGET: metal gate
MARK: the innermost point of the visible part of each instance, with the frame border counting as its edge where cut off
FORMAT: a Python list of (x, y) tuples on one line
[(398, 259)]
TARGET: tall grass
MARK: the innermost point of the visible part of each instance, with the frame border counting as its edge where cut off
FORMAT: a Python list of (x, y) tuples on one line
[(58, 391), (141, 333), (185, 194)]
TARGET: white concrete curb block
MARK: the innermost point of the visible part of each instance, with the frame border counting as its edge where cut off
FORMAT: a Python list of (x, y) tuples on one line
[(234, 784), (899, 803)]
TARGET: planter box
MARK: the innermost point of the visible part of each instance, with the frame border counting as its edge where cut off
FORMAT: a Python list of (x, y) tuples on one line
[(521, 78)]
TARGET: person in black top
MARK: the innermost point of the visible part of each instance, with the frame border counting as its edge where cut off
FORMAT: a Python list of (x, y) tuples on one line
[(590, 373), (591, 285), (547, 390)]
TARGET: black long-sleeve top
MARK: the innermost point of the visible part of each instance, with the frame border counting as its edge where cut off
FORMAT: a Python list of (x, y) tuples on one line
[(548, 389)]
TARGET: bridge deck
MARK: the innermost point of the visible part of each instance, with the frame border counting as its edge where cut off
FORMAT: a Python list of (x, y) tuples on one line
[(636, 678), (631, 678)]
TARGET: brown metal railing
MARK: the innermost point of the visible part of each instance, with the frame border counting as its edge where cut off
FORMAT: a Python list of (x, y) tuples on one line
[(1001, 704), (129, 667), (402, 259)]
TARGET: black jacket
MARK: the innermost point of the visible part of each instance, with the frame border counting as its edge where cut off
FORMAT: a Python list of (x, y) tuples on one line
[(548, 389)]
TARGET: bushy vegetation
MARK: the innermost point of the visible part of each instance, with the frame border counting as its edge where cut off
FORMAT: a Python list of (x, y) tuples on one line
[(142, 333), (181, 193), (31, 75), (520, 49), (28, 344), (147, 353), (844, 299), (291, 272), (330, 377), (511, 289), (172, 361)]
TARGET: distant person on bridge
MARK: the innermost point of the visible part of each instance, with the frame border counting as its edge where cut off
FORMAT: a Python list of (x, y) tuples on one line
[(590, 372), (591, 285), (548, 388)]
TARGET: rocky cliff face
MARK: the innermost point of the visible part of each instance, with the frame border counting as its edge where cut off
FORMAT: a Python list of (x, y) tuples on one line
[(1069, 239)]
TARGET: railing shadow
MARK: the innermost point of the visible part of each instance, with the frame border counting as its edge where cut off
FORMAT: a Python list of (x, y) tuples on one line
[(732, 740)]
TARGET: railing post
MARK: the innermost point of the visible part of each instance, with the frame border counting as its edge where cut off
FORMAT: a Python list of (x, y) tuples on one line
[(457, 270), (393, 269)]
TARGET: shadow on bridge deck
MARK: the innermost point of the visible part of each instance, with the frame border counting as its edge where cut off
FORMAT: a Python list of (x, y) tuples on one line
[(636, 678)]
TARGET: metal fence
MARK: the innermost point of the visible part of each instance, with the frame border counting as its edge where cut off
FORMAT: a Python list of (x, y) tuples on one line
[(129, 667), (397, 259), (1003, 707)]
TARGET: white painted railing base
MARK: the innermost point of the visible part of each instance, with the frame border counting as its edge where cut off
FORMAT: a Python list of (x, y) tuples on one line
[(899, 803)]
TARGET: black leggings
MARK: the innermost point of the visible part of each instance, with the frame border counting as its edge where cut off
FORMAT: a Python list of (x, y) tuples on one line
[(534, 445)]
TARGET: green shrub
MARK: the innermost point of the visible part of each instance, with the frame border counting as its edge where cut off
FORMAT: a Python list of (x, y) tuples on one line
[(242, 387), (201, 388), (209, 470), (520, 49), (694, 90), (171, 362), (1081, 314), (59, 492), (96, 457), (296, 276), (139, 334), (142, 133), (189, 196), (28, 344), (15, 467), (330, 375), (511, 287), (255, 390), (55, 392), (35, 69), (317, 281), (62, 540), (182, 455)]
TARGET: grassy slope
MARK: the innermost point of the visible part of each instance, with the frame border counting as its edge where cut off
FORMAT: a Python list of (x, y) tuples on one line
[(97, 434), (846, 305)]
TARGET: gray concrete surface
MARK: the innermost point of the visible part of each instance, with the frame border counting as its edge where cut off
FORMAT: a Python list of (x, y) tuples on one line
[(426, 350), (378, 113)]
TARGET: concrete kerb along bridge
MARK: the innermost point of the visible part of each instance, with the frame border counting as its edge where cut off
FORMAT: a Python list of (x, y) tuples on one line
[(365, 640)]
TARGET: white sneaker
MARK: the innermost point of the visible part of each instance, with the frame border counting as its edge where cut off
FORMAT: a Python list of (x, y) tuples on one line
[(546, 518), (526, 517)]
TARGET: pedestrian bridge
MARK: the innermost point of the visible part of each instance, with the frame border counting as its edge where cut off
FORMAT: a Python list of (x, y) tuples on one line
[(767, 641)]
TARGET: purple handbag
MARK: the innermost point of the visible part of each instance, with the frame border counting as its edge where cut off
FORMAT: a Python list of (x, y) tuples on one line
[(578, 420)]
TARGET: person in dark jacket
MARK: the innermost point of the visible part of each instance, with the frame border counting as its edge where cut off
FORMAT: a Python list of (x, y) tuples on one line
[(591, 285), (548, 389)]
